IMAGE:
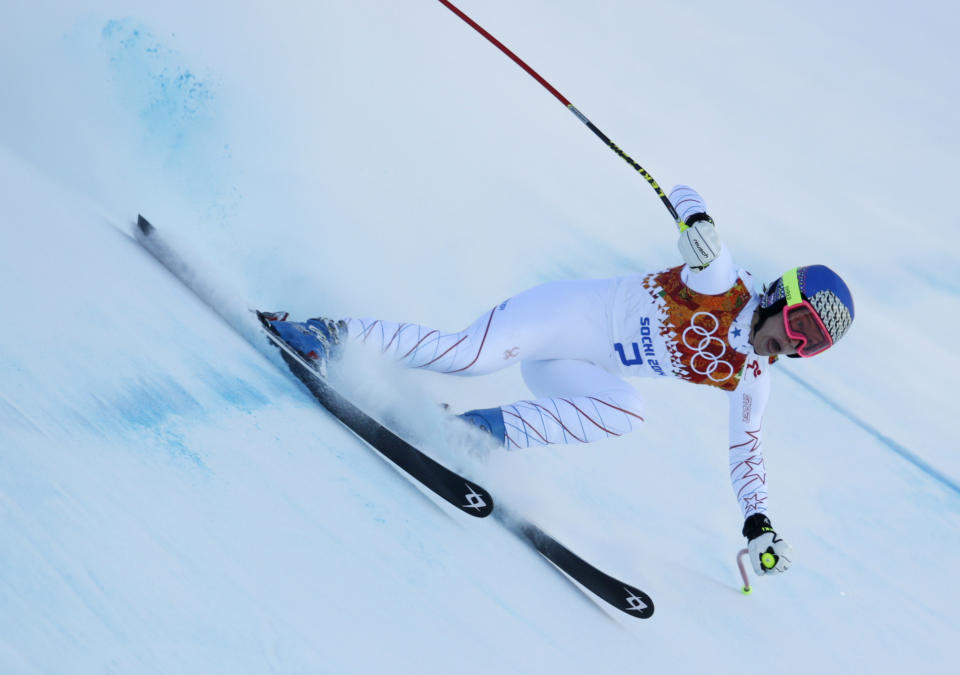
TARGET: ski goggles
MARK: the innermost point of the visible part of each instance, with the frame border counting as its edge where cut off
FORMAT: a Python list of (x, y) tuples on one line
[(801, 320)]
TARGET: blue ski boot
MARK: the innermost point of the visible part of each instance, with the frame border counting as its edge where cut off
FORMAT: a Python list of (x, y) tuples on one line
[(318, 340), (489, 420)]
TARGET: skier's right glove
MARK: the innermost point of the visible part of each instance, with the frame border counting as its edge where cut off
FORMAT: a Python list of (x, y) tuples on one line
[(699, 242), (769, 553)]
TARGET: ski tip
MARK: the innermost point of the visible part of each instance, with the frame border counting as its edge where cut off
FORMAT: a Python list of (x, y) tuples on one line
[(265, 322), (144, 225)]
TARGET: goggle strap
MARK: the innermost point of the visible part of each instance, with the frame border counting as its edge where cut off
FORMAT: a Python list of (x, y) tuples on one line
[(791, 287)]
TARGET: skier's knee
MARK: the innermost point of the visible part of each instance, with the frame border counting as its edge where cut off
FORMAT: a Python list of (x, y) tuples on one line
[(629, 401)]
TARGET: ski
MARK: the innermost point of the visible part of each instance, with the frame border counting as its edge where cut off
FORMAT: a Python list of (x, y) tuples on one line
[(618, 594), (465, 495), (454, 488)]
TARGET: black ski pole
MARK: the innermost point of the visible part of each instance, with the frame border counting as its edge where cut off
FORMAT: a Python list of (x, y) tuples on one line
[(583, 118)]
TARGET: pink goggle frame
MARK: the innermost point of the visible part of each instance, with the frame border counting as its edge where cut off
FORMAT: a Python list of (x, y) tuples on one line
[(803, 323)]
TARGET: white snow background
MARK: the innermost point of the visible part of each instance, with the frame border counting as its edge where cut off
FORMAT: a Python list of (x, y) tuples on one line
[(171, 502)]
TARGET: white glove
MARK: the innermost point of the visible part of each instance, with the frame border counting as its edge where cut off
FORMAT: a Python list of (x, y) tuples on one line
[(699, 244), (769, 553)]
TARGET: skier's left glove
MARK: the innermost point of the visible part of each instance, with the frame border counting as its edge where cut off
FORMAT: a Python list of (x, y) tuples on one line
[(699, 242), (769, 553)]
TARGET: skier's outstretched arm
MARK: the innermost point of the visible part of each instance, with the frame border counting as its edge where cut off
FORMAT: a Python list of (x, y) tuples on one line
[(769, 553)]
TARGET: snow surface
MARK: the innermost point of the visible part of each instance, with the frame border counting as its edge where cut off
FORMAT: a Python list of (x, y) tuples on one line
[(171, 503)]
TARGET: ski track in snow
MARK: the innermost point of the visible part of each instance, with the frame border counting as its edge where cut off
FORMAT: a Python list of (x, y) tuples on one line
[(885, 440)]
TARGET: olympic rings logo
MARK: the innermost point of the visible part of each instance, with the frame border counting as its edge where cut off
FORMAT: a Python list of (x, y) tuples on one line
[(707, 338)]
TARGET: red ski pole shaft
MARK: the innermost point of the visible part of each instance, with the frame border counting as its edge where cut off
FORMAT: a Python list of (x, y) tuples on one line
[(580, 116)]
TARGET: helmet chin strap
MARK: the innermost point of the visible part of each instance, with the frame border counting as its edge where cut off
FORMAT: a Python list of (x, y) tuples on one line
[(759, 318), (755, 324), (776, 309)]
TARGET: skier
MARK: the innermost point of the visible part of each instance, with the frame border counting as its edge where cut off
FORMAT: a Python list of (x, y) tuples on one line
[(576, 340)]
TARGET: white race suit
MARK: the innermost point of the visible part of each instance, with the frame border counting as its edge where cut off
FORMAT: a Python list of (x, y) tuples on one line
[(577, 340)]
